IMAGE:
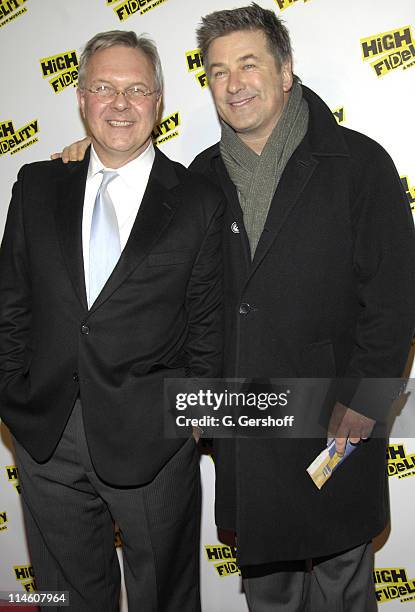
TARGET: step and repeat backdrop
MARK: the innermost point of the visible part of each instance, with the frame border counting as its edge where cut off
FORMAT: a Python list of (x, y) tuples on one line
[(359, 55)]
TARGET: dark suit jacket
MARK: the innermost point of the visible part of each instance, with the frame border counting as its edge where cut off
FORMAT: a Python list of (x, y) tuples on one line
[(159, 315), (329, 293)]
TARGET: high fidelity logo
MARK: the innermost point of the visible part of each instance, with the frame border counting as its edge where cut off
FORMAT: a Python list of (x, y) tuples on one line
[(284, 4), (61, 70), (12, 476), (399, 462), (223, 559), (166, 129), (390, 50), (26, 576), (126, 9), (339, 114), (13, 140), (3, 521), (10, 9), (410, 192), (393, 583), (194, 61)]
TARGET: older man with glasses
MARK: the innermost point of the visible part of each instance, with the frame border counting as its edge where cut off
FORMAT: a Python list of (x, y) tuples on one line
[(110, 282)]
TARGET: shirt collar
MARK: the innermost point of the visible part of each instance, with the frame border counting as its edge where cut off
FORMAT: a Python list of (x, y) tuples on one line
[(131, 173)]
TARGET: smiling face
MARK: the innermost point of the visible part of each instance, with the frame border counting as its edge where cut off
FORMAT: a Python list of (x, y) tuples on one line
[(120, 129), (249, 91)]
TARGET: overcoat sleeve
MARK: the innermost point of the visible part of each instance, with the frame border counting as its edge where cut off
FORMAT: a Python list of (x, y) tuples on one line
[(384, 269)]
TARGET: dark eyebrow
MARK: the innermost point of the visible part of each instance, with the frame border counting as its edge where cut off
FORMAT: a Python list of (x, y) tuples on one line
[(244, 58), (216, 65), (247, 57)]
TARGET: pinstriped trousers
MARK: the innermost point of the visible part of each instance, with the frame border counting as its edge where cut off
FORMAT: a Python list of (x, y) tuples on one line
[(70, 513)]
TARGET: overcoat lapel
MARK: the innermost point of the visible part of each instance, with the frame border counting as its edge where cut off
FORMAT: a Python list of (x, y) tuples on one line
[(295, 177), (235, 209)]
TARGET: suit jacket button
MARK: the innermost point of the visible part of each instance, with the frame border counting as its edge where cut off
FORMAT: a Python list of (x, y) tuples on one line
[(75, 377), (85, 329), (244, 309)]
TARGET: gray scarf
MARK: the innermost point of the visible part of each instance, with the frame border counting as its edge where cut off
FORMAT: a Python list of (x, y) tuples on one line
[(256, 177)]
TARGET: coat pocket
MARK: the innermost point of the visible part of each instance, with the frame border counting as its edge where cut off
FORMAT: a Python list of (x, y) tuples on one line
[(318, 360)]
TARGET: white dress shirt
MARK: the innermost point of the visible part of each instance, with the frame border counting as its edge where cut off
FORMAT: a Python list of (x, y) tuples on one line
[(126, 192)]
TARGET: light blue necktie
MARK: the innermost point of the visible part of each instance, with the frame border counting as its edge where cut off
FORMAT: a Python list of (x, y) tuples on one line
[(104, 242)]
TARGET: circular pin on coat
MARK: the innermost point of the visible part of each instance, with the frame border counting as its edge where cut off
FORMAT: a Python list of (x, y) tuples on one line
[(235, 228)]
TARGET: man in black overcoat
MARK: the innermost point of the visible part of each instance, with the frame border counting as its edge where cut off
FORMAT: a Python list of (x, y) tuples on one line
[(320, 282)]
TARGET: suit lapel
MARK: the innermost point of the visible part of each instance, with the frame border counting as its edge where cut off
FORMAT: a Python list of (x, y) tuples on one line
[(295, 177), (156, 210), (68, 216)]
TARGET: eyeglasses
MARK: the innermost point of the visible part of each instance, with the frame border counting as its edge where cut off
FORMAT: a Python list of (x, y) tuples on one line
[(106, 93)]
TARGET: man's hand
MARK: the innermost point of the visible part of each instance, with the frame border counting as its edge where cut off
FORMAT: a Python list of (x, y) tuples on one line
[(74, 151), (346, 423)]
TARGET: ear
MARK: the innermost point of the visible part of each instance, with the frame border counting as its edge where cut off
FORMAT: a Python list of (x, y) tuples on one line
[(287, 76), (159, 106), (81, 101)]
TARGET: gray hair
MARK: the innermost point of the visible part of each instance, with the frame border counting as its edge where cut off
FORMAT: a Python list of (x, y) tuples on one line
[(250, 18), (105, 40)]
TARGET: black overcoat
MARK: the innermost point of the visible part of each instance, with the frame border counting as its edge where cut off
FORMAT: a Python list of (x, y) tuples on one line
[(330, 292)]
